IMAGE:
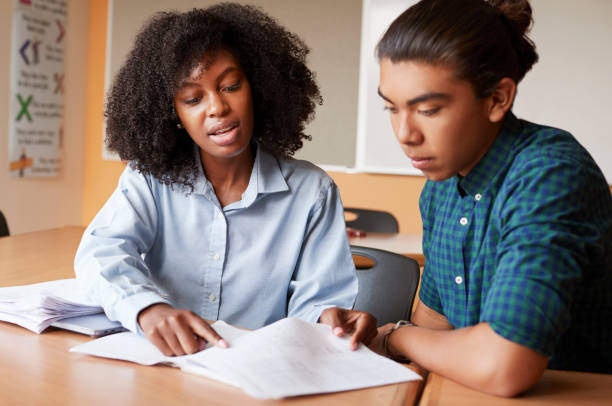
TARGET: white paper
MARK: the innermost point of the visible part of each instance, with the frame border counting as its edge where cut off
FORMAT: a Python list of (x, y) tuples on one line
[(38, 305), (287, 358), (132, 347)]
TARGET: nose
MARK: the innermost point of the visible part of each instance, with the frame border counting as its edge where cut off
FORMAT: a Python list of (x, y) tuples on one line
[(217, 105), (408, 131)]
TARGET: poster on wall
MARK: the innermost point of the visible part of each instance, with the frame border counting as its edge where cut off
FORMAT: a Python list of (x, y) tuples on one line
[(36, 88)]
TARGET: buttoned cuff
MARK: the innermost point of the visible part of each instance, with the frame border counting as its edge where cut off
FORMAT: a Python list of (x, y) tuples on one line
[(129, 308)]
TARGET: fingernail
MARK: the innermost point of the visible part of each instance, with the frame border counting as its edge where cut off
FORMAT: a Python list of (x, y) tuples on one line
[(338, 331), (353, 346), (223, 344)]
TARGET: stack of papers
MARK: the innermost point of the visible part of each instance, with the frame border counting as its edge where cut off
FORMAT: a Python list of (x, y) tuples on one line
[(37, 306), (288, 358)]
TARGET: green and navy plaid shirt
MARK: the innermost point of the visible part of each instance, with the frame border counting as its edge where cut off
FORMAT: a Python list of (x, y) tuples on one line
[(524, 243)]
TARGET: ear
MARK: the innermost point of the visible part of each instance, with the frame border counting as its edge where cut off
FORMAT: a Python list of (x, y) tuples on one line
[(501, 99)]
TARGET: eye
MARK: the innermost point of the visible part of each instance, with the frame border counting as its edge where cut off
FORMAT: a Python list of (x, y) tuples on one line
[(231, 88), (390, 109), (193, 100), (429, 112)]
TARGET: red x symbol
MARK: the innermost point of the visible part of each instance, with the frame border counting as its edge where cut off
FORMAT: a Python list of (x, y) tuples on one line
[(59, 83), (61, 31)]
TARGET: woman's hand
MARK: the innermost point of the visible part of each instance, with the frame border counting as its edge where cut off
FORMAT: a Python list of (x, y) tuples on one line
[(361, 325), (378, 343), (176, 331)]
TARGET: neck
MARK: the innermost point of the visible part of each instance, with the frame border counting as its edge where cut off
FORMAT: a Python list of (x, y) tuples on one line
[(490, 135), (228, 176)]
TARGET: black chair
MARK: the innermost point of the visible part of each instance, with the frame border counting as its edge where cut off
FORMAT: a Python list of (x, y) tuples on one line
[(387, 289), (372, 220), (4, 230)]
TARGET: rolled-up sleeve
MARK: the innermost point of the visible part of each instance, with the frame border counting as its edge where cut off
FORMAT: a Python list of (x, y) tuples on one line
[(325, 273), (545, 240), (109, 263)]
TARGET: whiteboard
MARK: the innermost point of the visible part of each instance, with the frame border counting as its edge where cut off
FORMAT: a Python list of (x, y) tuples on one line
[(377, 149), (568, 88)]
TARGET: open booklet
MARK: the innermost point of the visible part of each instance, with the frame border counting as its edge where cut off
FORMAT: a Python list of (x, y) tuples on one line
[(290, 357), (39, 305)]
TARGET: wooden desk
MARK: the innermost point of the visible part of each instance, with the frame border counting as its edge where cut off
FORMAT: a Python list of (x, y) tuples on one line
[(39, 370), (555, 388), (409, 245)]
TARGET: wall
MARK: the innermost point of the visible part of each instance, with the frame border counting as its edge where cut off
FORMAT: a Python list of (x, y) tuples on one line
[(100, 175), (397, 194), (35, 204), (570, 85)]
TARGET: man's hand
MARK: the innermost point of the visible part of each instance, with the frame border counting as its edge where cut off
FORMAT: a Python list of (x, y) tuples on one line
[(361, 325), (176, 331)]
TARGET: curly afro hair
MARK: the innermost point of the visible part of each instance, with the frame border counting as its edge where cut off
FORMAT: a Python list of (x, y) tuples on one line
[(140, 114)]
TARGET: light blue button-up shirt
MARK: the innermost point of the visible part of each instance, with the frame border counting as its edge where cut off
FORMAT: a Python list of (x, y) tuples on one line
[(280, 251)]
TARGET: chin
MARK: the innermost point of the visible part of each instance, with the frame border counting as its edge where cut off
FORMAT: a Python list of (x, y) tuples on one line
[(226, 151), (437, 176)]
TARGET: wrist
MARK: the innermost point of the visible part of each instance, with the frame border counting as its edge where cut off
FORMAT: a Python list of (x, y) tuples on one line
[(390, 351), (149, 310)]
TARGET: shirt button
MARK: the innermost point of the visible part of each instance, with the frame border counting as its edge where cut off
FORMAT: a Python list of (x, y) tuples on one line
[(212, 297), (463, 221), (458, 280), (219, 215), (477, 196), (217, 257)]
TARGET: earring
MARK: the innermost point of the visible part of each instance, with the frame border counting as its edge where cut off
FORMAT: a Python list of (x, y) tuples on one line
[(179, 126)]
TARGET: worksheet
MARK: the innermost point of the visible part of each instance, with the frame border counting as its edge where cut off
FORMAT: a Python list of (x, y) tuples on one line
[(288, 358)]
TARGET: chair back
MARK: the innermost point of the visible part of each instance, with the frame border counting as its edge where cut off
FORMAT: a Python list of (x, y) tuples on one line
[(387, 289), (375, 221), (4, 230)]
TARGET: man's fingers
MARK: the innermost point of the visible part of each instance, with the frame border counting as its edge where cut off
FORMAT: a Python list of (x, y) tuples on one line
[(206, 332)]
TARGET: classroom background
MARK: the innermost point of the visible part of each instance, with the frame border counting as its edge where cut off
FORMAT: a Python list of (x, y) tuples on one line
[(87, 179)]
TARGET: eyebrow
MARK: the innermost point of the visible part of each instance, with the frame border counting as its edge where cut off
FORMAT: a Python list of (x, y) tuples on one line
[(186, 82), (418, 99)]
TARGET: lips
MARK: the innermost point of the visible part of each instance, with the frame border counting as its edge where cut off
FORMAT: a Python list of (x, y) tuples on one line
[(222, 128), (224, 133), (420, 162)]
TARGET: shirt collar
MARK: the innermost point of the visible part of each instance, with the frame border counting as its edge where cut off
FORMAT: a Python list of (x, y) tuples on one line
[(499, 154), (266, 177)]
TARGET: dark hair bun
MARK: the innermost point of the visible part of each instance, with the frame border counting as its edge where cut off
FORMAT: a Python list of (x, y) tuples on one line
[(518, 12), (483, 40)]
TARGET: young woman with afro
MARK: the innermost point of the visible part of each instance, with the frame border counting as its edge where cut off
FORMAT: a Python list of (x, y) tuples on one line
[(212, 218)]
